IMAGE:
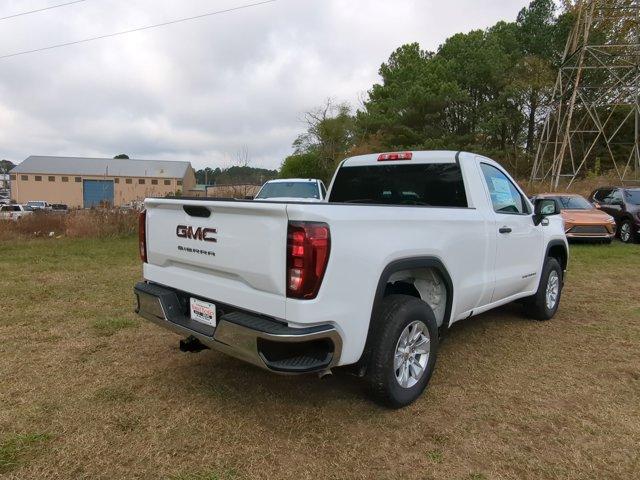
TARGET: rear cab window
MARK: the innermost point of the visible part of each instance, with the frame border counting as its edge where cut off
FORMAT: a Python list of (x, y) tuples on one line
[(423, 184)]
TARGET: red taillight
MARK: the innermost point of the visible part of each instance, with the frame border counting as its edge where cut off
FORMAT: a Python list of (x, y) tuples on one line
[(142, 235), (308, 246), (384, 157)]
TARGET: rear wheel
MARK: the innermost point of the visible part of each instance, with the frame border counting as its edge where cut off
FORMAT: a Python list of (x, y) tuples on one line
[(403, 351), (626, 232), (544, 304)]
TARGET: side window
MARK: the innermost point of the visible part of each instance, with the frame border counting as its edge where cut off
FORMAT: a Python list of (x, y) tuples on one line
[(616, 197), (504, 195), (323, 190), (602, 195)]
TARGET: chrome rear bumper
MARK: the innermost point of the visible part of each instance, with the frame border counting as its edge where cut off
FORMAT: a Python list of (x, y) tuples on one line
[(258, 340)]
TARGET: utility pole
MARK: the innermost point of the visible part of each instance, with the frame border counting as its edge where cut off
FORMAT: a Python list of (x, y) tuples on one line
[(595, 110)]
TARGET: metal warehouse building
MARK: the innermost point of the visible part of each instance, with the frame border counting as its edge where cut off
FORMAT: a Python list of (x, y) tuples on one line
[(89, 182)]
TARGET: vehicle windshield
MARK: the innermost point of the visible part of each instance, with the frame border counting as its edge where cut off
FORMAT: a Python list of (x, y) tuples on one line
[(574, 203), (633, 196), (35, 204), (289, 189)]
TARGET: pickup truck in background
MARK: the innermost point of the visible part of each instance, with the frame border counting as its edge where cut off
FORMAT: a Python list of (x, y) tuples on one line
[(406, 244), (293, 189), (39, 205)]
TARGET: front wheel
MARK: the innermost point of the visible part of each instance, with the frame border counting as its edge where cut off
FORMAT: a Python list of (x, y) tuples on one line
[(544, 304), (403, 352), (626, 232)]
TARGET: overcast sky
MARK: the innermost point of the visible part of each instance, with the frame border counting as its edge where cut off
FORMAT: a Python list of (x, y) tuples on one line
[(202, 90)]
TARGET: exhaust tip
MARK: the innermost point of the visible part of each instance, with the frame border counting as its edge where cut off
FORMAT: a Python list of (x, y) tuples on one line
[(325, 374)]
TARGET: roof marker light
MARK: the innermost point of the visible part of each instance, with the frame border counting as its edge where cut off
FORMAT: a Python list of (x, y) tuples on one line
[(385, 157)]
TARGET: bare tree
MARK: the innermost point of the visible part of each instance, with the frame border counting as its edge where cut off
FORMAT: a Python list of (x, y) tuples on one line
[(329, 134), (243, 159)]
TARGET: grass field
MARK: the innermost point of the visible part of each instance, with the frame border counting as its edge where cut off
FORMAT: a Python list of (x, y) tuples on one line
[(89, 391)]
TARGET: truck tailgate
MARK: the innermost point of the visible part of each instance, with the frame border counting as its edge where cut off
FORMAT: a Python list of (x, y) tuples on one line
[(240, 259)]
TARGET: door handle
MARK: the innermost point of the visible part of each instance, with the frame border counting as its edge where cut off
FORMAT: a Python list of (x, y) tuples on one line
[(504, 229)]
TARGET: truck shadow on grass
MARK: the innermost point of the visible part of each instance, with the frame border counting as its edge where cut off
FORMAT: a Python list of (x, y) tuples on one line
[(231, 382)]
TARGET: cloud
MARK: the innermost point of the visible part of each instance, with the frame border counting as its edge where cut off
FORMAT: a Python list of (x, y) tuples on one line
[(202, 90)]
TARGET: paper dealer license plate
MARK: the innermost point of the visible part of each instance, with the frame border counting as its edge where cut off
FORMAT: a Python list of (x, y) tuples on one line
[(203, 312)]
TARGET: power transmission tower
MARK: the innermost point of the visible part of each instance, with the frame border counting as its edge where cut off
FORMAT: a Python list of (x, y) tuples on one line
[(594, 118)]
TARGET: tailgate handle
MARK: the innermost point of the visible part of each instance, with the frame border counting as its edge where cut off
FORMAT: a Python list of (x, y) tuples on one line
[(197, 211)]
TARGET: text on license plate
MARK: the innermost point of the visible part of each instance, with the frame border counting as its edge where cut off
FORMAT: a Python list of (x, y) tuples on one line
[(203, 312)]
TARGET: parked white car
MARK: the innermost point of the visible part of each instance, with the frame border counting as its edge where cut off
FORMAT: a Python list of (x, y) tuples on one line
[(293, 190), (14, 212), (407, 244)]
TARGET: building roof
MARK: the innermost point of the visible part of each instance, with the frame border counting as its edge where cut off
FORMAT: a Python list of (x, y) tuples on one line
[(102, 166)]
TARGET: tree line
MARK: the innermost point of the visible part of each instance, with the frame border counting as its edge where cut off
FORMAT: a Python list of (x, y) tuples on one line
[(484, 91)]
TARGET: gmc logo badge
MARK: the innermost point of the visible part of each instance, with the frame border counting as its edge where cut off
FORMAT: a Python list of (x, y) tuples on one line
[(203, 234)]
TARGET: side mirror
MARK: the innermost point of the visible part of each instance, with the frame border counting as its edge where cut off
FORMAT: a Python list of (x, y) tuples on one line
[(596, 204), (248, 197), (543, 208)]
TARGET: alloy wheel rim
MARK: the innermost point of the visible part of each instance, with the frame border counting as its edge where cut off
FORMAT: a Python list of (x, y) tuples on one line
[(625, 232), (553, 288), (411, 354)]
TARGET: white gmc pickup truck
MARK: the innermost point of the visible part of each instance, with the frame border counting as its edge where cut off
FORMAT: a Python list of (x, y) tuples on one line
[(405, 245)]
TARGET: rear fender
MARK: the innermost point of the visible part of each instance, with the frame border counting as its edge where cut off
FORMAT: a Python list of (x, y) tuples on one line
[(408, 264)]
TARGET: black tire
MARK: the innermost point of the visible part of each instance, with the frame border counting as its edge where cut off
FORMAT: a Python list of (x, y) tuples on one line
[(536, 305), (631, 237), (395, 313)]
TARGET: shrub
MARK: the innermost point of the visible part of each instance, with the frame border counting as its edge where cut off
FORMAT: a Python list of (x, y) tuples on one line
[(76, 224)]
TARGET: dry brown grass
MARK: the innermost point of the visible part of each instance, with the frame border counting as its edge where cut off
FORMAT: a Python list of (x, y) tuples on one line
[(76, 224), (511, 398), (582, 186), (233, 191)]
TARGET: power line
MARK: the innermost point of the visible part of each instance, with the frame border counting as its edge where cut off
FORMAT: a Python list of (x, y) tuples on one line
[(139, 29), (41, 9)]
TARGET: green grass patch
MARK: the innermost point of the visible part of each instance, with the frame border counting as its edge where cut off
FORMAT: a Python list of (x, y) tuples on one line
[(435, 456), (477, 476), (108, 326), (15, 449), (115, 394), (214, 475)]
